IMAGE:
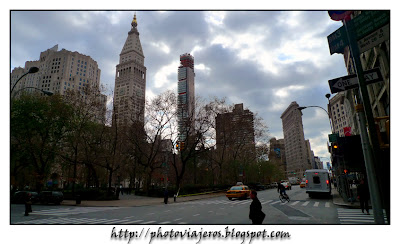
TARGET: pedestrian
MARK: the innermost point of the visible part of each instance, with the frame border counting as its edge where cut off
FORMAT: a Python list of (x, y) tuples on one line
[(363, 195), (117, 192), (166, 195), (28, 204), (256, 215)]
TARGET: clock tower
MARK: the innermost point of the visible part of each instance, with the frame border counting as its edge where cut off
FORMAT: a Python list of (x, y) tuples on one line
[(130, 81)]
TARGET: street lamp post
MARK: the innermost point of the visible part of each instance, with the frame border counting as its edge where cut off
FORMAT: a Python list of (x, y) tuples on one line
[(301, 108), (30, 71)]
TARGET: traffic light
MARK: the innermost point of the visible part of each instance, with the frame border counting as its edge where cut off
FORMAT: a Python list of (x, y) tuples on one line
[(335, 148)]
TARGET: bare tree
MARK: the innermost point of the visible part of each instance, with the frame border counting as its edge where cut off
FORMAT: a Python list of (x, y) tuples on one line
[(150, 140)]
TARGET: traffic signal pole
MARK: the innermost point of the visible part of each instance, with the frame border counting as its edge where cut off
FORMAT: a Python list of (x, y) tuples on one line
[(371, 155)]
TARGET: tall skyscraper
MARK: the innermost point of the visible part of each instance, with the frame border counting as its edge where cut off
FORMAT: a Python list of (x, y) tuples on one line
[(295, 146), (130, 81), (186, 96), (60, 71)]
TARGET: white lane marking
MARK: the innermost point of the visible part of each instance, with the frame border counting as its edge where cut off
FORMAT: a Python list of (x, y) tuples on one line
[(296, 202), (134, 221), (316, 204), (266, 202), (305, 204), (148, 222)]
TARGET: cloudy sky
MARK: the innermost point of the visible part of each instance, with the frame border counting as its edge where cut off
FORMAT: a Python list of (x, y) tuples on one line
[(263, 59)]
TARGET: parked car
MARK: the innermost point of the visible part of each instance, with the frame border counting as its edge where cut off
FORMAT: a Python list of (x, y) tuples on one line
[(241, 192), (20, 196), (257, 186), (286, 184), (302, 184), (274, 184), (55, 197)]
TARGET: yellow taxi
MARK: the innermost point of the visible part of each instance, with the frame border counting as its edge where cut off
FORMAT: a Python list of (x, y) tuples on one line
[(238, 191), (302, 184)]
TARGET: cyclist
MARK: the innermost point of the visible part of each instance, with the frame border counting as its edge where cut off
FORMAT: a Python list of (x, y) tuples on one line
[(282, 190)]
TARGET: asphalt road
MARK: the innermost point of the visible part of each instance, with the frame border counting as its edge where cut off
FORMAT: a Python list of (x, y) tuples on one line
[(218, 210)]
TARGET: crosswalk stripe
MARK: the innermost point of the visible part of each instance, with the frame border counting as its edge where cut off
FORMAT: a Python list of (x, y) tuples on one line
[(358, 220), (52, 221), (355, 216), (166, 222), (266, 202), (148, 222), (134, 221), (74, 221), (98, 221), (71, 211), (124, 221), (262, 201), (113, 221)]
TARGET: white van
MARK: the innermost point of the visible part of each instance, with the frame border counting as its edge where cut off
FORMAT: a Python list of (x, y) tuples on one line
[(318, 182)]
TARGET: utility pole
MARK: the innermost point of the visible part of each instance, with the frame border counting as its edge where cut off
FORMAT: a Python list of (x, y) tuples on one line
[(370, 156)]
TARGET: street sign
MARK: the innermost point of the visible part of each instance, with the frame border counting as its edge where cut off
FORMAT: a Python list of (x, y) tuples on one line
[(338, 41), (374, 39), (333, 137), (369, 21), (364, 24), (351, 81)]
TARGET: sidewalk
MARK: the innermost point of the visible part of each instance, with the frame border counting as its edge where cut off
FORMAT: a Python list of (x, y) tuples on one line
[(338, 200), (137, 201)]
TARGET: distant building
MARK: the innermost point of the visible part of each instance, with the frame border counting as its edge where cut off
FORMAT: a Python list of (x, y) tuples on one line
[(318, 163), (277, 152), (186, 97), (130, 81), (297, 155), (60, 71), (338, 115), (235, 128)]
